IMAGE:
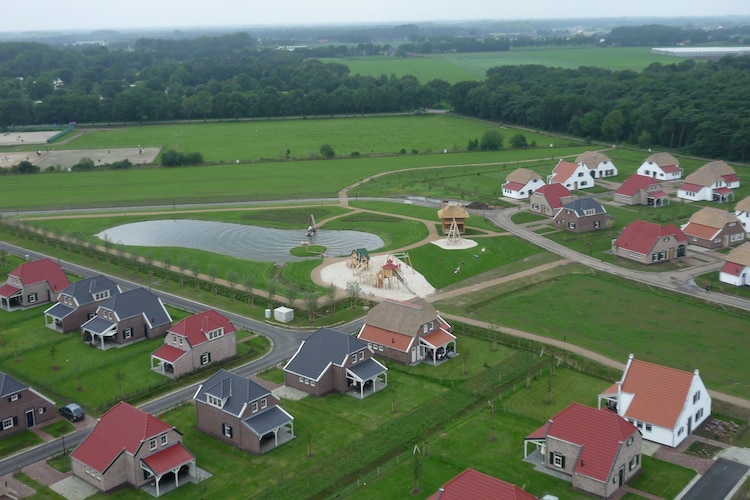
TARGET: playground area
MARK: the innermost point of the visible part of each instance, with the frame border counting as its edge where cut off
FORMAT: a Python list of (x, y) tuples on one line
[(25, 138)]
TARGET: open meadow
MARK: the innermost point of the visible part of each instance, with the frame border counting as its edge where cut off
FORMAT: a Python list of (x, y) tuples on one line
[(457, 67)]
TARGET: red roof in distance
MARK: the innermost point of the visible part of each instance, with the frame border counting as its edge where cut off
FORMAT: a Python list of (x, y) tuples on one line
[(40, 270), (195, 327), (554, 194), (640, 236), (474, 485), (635, 183)]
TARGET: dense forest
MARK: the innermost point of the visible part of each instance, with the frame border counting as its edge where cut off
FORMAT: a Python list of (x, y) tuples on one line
[(699, 108)]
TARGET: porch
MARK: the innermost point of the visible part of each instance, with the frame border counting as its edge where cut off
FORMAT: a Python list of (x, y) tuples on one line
[(168, 467), (274, 427), (437, 347), (54, 316), (366, 378)]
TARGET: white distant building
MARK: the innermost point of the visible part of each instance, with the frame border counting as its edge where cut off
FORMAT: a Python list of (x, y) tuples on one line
[(599, 165), (521, 183), (662, 166)]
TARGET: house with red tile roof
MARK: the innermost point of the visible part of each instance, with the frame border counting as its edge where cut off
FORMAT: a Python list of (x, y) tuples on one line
[(331, 361), (665, 404), (736, 269), (521, 183), (33, 283), (641, 190), (195, 342), (21, 407), (571, 175), (661, 166), (408, 332), (548, 199), (599, 164), (713, 181), (130, 446), (649, 243), (712, 227), (242, 413), (600, 451), (471, 484)]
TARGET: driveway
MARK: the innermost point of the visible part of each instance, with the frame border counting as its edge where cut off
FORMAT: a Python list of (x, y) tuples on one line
[(718, 482)]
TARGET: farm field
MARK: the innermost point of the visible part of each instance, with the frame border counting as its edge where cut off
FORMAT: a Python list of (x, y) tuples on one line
[(455, 68)]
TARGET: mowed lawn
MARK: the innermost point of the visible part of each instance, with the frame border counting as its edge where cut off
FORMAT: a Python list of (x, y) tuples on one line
[(457, 67), (615, 317)]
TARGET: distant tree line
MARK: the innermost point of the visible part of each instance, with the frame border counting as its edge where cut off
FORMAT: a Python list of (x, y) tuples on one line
[(700, 108)]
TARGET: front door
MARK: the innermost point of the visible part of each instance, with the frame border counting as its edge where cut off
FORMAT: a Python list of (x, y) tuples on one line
[(30, 418), (621, 476), (413, 354), (690, 425)]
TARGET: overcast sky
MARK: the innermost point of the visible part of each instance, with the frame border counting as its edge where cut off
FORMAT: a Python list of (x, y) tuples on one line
[(34, 15)]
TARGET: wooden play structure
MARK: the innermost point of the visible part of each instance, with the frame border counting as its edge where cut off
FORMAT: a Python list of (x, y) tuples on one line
[(359, 260), (312, 228), (453, 217)]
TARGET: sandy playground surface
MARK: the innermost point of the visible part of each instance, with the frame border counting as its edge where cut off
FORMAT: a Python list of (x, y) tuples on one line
[(339, 273), (65, 159), (25, 138)]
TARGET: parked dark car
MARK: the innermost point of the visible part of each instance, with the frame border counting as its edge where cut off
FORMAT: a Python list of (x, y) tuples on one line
[(72, 412)]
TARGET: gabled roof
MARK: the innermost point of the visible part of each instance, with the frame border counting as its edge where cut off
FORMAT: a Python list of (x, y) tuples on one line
[(384, 337), (635, 183), (703, 177), (168, 353), (592, 159), (691, 187), (740, 255), (168, 459), (473, 485), (599, 433), (522, 176), (402, 317), (640, 236), (138, 301), (83, 291), (554, 193), (563, 171), (122, 429), (743, 205), (267, 420), (9, 291), (195, 328), (453, 210), (580, 205), (513, 186), (237, 391), (41, 270), (712, 217), (321, 349), (663, 160), (659, 392), (9, 385), (720, 167)]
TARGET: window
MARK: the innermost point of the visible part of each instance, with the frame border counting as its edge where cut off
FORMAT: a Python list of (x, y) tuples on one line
[(255, 404), (589, 211), (312, 383), (127, 333), (582, 183), (696, 397), (424, 328), (263, 403), (226, 430), (14, 397), (597, 224), (163, 439), (380, 348), (301, 380), (354, 358), (580, 174), (361, 355), (432, 325), (634, 462), (369, 345), (205, 358), (214, 401), (680, 431), (174, 338), (8, 423), (698, 415), (630, 440), (556, 459), (42, 410), (572, 225), (215, 334), (180, 340), (152, 444), (639, 425), (648, 427), (32, 297)]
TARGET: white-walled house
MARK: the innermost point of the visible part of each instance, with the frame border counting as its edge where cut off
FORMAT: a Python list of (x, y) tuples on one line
[(662, 166), (571, 175), (736, 269), (742, 212), (599, 165), (713, 181), (665, 404), (521, 183)]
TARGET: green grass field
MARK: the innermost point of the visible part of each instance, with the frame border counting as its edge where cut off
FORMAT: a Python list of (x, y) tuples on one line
[(455, 68)]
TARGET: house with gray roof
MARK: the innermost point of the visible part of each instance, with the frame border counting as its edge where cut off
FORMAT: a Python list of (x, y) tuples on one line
[(21, 407), (242, 413), (127, 317), (331, 361), (78, 303), (582, 215)]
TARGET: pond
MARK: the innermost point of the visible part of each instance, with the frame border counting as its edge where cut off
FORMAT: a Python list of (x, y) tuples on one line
[(237, 240)]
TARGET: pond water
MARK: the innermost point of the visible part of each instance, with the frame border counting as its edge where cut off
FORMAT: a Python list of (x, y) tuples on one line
[(237, 240)]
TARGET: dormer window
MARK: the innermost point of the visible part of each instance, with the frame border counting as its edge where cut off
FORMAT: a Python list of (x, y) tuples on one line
[(215, 334), (214, 401)]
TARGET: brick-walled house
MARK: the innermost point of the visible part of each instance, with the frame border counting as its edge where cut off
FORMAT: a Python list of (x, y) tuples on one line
[(195, 342), (78, 303), (129, 446), (242, 413), (127, 317), (331, 361), (661, 166), (408, 332), (582, 215), (32, 283), (600, 451), (21, 407), (599, 164), (714, 228), (665, 404), (649, 243), (548, 199), (641, 190)]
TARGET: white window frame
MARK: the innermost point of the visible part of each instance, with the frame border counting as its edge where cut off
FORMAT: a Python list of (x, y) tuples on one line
[(163, 439), (14, 397), (8, 423), (127, 333), (255, 406), (152, 444), (557, 459), (263, 403)]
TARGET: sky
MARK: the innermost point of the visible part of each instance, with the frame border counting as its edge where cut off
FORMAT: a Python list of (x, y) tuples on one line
[(46, 15)]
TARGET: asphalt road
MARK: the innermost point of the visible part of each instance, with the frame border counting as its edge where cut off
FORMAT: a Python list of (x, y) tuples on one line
[(718, 481)]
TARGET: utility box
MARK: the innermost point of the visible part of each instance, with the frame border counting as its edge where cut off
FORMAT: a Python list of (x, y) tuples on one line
[(283, 314)]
